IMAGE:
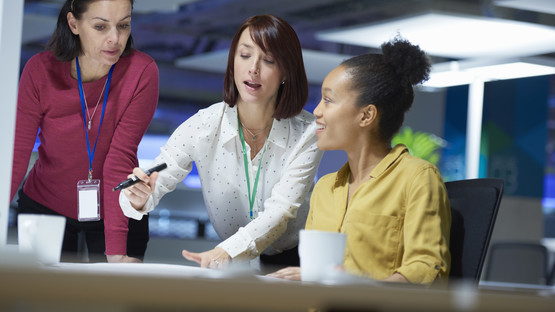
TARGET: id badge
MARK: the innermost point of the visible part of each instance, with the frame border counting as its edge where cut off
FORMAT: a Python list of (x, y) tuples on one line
[(88, 200)]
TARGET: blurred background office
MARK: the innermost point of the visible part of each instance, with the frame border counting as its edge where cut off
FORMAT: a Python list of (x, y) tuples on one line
[(472, 119)]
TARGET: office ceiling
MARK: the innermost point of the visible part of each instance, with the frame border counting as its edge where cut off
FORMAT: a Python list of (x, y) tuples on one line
[(185, 37)]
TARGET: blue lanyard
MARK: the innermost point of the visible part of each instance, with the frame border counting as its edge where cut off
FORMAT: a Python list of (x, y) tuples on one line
[(81, 94), (253, 195)]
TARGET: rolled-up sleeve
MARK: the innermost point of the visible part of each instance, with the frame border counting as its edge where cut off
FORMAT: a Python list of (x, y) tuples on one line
[(426, 230)]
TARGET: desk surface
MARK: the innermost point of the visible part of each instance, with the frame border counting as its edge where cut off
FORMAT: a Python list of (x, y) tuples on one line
[(152, 287)]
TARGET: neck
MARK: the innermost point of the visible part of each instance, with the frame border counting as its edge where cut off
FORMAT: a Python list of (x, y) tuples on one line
[(255, 117), (89, 71), (363, 159)]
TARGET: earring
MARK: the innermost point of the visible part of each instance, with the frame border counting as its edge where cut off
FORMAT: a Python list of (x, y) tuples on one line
[(283, 82)]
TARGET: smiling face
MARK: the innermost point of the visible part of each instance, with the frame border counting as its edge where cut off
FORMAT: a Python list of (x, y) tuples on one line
[(103, 31), (337, 116), (257, 76)]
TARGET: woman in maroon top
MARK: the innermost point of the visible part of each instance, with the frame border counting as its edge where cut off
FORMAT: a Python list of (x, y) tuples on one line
[(92, 96)]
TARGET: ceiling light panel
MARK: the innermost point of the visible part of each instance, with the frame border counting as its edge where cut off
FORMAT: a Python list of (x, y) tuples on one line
[(465, 72), (454, 36)]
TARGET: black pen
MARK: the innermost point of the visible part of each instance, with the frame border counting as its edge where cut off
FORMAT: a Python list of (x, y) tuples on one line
[(133, 180)]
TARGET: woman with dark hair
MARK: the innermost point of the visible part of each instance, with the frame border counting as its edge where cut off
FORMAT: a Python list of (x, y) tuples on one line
[(392, 206), (92, 96), (255, 152)]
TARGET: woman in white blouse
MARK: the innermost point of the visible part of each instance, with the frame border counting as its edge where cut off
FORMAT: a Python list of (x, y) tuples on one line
[(256, 152)]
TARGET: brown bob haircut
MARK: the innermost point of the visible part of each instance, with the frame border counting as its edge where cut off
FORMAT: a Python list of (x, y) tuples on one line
[(276, 37)]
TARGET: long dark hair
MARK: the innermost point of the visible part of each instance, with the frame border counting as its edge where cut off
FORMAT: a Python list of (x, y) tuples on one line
[(63, 43), (386, 80), (275, 36)]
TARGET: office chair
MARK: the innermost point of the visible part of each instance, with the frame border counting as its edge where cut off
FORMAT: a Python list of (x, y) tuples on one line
[(518, 262), (474, 206)]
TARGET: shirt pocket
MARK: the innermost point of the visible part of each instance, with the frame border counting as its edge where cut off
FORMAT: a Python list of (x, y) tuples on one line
[(373, 242)]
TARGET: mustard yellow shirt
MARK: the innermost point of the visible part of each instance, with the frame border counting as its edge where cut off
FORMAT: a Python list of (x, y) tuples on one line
[(397, 221)]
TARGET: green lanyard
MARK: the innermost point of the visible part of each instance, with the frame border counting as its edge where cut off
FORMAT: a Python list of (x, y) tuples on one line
[(251, 197)]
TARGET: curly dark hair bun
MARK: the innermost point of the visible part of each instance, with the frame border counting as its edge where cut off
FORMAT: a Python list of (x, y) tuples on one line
[(407, 60), (386, 80)]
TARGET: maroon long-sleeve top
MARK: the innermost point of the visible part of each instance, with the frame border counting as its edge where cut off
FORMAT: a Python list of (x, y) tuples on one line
[(49, 100)]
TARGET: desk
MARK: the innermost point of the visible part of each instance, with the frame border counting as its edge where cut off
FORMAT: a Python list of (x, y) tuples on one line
[(148, 287)]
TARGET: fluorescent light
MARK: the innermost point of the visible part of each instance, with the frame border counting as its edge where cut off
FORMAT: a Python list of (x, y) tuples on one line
[(465, 72), (455, 36), (317, 64), (448, 79), (512, 71)]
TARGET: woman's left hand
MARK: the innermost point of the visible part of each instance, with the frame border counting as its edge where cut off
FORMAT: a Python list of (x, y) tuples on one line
[(122, 259), (397, 278), (216, 258), (289, 273)]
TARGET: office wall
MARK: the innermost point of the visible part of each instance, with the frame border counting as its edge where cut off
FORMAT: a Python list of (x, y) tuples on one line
[(519, 219), (513, 147), (427, 113), (514, 133), (514, 140), (548, 203)]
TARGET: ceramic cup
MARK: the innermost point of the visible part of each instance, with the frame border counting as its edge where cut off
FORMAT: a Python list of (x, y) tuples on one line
[(320, 253), (42, 236)]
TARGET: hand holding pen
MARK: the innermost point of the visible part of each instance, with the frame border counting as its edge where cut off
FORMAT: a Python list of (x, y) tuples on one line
[(140, 185), (134, 179)]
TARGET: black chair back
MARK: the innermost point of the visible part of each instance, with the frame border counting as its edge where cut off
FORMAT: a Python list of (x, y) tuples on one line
[(518, 262), (474, 206)]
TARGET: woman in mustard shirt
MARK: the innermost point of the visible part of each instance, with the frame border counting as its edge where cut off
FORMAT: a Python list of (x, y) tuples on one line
[(393, 206)]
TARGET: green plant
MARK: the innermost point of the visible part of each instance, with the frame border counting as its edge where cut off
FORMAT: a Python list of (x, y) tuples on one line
[(420, 144)]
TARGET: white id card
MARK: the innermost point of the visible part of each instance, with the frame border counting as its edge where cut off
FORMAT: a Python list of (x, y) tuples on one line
[(88, 200)]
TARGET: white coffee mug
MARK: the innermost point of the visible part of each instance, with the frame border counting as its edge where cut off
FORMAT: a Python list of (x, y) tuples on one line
[(320, 253), (42, 236)]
